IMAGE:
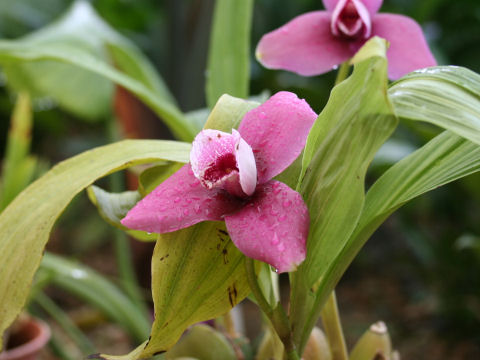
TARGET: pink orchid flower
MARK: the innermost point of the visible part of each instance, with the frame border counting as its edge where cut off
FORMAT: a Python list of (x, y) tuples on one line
[(229, 178), (317, 42)]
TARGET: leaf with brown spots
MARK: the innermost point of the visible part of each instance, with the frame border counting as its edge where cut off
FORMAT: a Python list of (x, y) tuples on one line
[(195, 283)]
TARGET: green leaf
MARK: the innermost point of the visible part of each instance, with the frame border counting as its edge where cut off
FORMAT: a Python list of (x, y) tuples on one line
[(447, 96), (26, 223), (357, 120), (197, 275), (228, 70), (18, 167), (85, 93), (130, 356), (77, 48), (444, 159), (228, 112), (114, 206), (203, 343), (90, 286)]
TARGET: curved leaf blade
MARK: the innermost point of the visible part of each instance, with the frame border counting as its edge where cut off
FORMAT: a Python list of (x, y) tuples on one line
[(15, 52), (26, 223), (93, 288), (444, 159), (113, 207), (446, 96), (82, 26)]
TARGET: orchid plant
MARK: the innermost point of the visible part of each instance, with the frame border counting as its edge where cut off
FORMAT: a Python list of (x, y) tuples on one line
[(255, 188)]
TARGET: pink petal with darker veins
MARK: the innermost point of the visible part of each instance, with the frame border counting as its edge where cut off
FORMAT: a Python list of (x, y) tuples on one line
[(372, 5), (408, 49), (277, 131), (272, 227), (304, 45), (179, 202)]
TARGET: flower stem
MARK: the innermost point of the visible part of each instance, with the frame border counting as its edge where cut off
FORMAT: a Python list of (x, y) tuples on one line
[(342, 73), (277, 315), (333, 329), (229, 325)]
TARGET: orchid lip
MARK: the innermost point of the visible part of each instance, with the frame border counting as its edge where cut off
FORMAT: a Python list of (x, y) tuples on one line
[(226, 161)]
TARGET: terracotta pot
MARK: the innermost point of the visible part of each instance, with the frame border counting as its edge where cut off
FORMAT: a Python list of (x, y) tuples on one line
[(26, 340)]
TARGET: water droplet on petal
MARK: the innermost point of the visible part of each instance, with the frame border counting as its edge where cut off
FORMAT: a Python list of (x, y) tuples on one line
[(177, 200), (275, 239)]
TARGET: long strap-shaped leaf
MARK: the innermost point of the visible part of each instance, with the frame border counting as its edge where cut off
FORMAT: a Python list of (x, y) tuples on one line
[(26, 223), (11, 51), (447, 96), (228, 69)]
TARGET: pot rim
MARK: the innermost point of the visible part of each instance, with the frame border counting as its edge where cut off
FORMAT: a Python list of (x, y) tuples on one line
[(31, 346)]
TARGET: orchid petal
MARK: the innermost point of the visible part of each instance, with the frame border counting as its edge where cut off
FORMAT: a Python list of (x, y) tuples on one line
[(272, 227), (408, 49), (277, 131), (304, 45), (179, 202), (225, 161), (372, 5), (247, 167)]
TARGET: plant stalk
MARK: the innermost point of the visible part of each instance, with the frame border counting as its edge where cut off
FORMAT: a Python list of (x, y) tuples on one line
[(333, 329), (277, 315), (342, 73)]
